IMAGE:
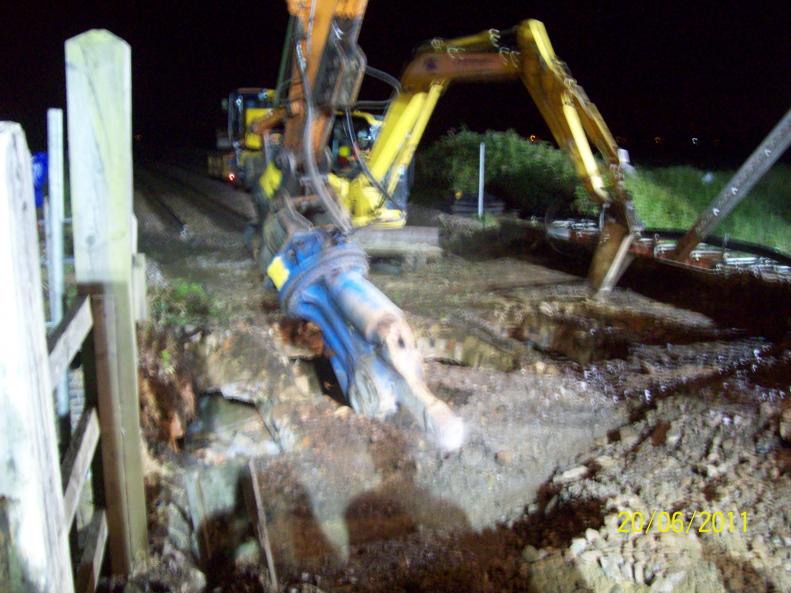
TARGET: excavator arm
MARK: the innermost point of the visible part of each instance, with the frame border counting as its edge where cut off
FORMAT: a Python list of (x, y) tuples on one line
[(573, 119)]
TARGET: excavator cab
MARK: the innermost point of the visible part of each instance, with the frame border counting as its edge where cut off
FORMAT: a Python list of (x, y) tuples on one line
[(245, 106)]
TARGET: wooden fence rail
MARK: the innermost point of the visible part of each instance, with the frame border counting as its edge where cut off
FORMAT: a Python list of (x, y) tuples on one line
[(64, 344), (66, 340)]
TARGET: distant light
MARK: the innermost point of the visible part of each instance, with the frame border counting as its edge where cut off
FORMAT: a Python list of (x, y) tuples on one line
[(658, 140), (695, 140), (231, 177), (533, 138)]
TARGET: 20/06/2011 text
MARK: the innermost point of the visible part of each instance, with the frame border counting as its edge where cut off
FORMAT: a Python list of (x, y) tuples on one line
[(664, 522)]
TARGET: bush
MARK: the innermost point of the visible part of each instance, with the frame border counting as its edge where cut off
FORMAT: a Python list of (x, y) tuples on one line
[(528, 176)]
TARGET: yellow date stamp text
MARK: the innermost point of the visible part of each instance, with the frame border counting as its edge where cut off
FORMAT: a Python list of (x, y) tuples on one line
[(679, 522)]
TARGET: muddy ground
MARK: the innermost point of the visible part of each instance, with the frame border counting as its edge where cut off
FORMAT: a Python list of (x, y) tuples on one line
[(579, 413)]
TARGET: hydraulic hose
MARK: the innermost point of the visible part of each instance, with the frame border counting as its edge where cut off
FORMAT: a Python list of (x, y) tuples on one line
[(383, 77), (337, 215)]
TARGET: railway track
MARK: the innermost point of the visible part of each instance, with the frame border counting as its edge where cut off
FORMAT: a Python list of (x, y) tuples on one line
[(715, 256), (161, 209), (196, 195)]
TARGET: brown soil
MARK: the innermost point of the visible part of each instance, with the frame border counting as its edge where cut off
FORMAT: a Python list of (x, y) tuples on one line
[(576, 409)]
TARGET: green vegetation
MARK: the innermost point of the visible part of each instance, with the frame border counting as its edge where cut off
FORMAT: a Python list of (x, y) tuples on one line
[(672, 197), (534, 177), (487, 219), (182, 304), (530, 176)]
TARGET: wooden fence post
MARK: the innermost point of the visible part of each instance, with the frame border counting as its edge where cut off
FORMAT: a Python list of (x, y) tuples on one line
[(99, 107), (34, 552)]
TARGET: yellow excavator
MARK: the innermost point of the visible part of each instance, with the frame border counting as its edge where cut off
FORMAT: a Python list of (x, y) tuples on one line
[(243, 151), (311, 213), (240, 149), (523, 52)]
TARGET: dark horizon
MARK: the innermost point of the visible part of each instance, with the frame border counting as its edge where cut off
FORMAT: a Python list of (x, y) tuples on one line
[(710, 71)]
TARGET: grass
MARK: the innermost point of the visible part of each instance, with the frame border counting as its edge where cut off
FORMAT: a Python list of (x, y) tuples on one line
[(534, 177), (672, 197), (183, 305)]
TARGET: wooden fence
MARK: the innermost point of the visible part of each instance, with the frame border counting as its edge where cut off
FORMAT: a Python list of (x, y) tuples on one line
[(40, 494)]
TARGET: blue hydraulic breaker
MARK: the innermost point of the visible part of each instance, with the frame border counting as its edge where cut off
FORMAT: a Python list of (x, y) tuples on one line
[(321, 277)]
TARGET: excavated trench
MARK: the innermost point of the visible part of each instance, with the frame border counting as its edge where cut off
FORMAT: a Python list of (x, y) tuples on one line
[(587, 330), (557, 390)]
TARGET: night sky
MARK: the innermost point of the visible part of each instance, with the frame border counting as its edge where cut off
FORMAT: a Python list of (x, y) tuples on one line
[(675, 69)]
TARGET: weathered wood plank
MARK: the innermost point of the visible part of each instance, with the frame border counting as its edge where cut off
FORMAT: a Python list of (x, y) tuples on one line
[(407, 241), (33, 546), (66, 340), (77, 462), (120, 443), (99, 106), (87, 575), (425, 235)]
